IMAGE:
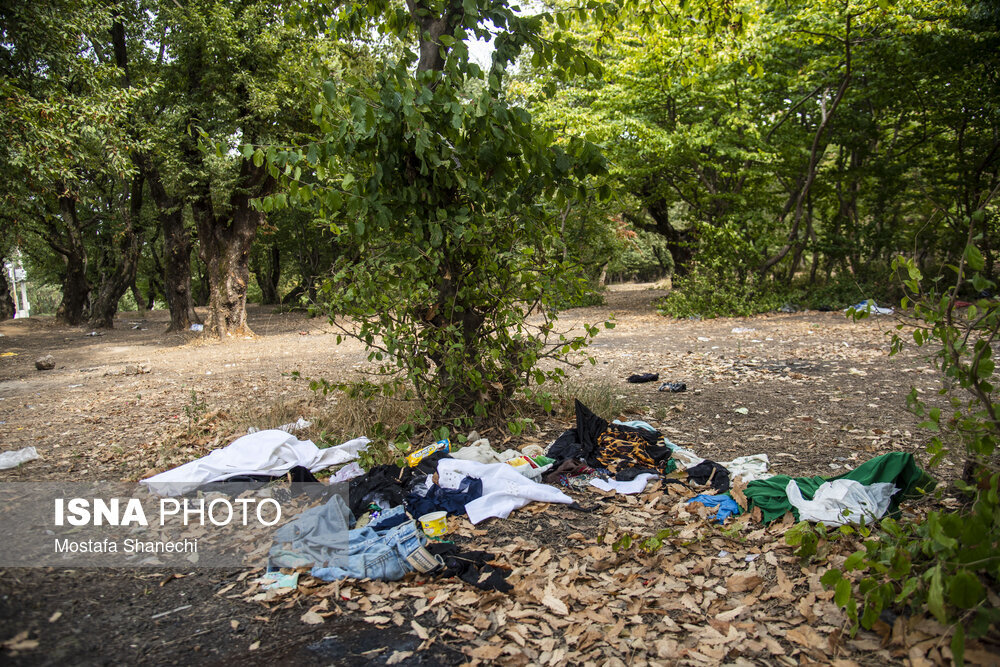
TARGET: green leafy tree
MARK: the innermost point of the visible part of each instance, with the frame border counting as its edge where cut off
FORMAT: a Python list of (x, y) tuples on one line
[(440, 185)]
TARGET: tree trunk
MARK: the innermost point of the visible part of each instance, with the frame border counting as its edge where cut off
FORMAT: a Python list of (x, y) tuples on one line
[(225, 249), (75, 288), (268, 274), (7, 308), (120, 274), (177, 276)]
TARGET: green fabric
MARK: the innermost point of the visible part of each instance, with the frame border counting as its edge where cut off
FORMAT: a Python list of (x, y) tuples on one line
[(670, 467), (899, 468)]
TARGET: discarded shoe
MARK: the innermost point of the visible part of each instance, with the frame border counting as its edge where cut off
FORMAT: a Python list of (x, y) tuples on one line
[(643, 377), (674, 387)]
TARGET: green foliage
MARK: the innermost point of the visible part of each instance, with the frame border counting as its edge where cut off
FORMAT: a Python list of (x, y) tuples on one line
[(439, 188), (701, 295), (945, 562)]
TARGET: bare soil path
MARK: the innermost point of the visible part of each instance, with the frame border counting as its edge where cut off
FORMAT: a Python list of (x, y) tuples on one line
[(815, 391)]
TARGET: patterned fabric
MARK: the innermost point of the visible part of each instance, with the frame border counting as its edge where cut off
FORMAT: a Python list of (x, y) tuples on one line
[(619, 448)]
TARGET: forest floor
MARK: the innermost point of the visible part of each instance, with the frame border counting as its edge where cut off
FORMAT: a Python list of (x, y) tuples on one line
[(815, 391)]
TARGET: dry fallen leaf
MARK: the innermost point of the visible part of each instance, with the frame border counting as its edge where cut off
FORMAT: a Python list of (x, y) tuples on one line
[(254, 646), (311, 618)]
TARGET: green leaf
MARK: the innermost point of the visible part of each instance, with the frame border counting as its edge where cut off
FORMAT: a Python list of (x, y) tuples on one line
[(842, 592), (958, 645), (935, 596), (974, 258), (965, 590), (831, 577)]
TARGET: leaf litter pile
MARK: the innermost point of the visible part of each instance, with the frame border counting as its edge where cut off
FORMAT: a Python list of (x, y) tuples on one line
[(631, 580)]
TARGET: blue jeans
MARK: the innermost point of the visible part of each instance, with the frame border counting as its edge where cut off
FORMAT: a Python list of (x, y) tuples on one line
[(385, 549)]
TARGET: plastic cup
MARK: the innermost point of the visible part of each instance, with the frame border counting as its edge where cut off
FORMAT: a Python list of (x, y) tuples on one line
[(434, 523)]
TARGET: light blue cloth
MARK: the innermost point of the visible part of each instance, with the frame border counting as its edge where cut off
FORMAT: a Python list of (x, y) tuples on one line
[(385, 549), (727, 506)]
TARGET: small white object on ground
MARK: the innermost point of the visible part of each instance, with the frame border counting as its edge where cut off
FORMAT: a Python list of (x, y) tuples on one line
[(15, 458)]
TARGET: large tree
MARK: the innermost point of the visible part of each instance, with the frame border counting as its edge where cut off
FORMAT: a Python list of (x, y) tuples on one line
[(440, 186)]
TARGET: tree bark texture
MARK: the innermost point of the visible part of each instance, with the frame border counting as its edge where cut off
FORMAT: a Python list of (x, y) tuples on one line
[(225, 243), (268, 273), (7, 308), (75, 288), (119, 272)]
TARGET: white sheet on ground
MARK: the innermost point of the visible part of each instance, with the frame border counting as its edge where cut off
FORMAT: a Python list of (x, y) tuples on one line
[(685, 457), (270, 452), (637, 485), (842, 501), (504, 489), (749, 468), (15, 458)]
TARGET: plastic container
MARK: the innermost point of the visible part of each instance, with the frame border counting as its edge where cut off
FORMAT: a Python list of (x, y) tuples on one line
[(434, 523)]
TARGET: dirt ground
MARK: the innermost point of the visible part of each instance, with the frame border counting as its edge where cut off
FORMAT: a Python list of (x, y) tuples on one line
[(816, 392)]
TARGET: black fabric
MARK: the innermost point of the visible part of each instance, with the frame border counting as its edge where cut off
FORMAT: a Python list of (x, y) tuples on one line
[(639, 378), (628, 474), (566, 446), (588, 429), (388, 485), (453, 501), (703, 472), (472, 567), (237, 484)]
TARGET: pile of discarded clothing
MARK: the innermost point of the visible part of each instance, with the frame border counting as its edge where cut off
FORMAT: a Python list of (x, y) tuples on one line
[(376, 531), (383, 539)]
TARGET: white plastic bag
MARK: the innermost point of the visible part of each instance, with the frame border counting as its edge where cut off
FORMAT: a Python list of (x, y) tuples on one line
[(16, 458), (842, 501)]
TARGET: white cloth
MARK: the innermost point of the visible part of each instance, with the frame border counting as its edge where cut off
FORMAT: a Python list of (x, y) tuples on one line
[(504, 489), (748, 468), (481, 452), (348, 472), (842, 501), (637, 485), (15, 458), (270, 452), (685, 457)]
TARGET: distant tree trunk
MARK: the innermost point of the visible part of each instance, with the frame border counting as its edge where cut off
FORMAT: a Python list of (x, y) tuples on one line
[(225, 244), (120, 274), (177, 251), (140, 303), (268, 274), (75, 288), (7, 308)]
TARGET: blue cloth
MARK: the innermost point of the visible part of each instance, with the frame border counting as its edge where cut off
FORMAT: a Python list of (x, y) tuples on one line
[(385, 549), (424, 500), (727, 506)]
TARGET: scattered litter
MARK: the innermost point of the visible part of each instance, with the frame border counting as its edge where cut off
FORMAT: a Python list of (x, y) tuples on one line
[(751, 558), (637, 485), (869, 306), (95, 333), (12, 459), (46, 363), (674, 387), (167, 613), (197, 327), (417, 456), (742, 411), (639, 378), (270, 452), (727, 507), (8, 354), (740, 330), (278, 580), (842, 501), (299, 424), (434, 523), (73, 386), (704, 339)]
